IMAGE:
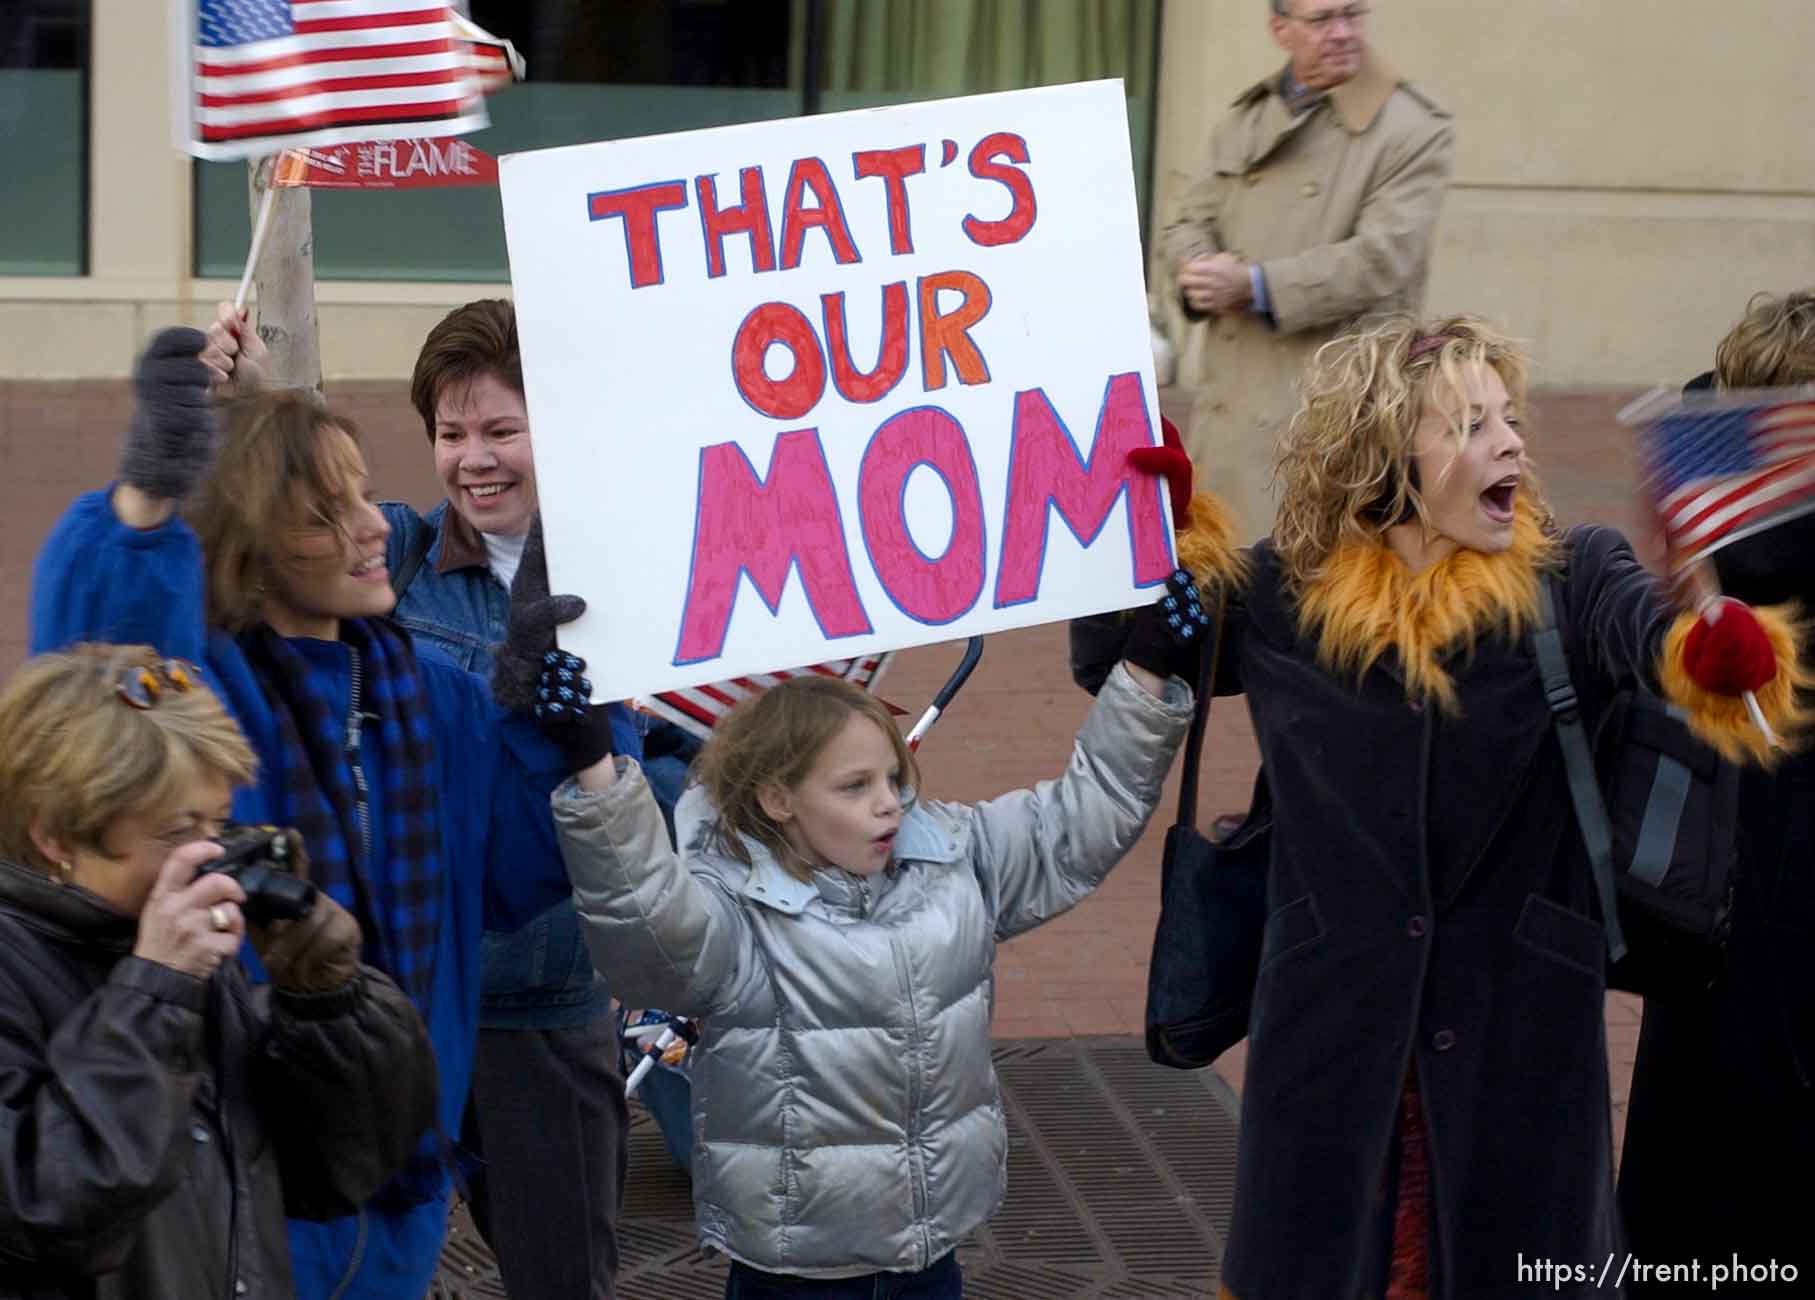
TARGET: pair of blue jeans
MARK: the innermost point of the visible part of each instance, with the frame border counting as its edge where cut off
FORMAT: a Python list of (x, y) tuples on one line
[(943, 1280)]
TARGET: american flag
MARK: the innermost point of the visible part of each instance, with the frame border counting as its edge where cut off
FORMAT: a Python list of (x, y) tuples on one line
[(1726, 468), (264, 75), (698, 708), (495, 61)]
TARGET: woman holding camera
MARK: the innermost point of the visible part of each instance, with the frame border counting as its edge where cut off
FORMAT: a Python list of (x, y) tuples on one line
[(158, 1115), (420, 816)]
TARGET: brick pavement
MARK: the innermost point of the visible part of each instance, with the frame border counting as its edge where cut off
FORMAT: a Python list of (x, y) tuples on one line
[(1084, 974)]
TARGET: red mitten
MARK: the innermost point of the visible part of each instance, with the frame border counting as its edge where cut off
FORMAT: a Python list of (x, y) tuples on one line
[(1170, 460), (1727, 651)]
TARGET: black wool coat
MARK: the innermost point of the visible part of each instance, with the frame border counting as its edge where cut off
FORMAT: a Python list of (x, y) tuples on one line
[(1431, 907), (1720, 1134)]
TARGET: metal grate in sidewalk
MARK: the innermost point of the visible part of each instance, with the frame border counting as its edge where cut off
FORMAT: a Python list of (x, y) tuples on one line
[(1121, 1182)]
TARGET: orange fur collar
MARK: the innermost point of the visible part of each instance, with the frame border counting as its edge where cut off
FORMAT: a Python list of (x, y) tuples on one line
[(1206, 546), (1366, 602)]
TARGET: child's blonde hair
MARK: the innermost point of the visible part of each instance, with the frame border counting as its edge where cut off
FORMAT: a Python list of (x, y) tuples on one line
[(775, 738), (75, 756), (1773, 346), (1345, 461)]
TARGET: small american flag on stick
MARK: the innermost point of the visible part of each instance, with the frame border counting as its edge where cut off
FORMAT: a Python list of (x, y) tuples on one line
[(257, 76), (494, 61), (698, 708), (1728, 466)]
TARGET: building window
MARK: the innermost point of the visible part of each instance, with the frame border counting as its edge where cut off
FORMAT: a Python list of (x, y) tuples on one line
[(44, 137), (602, 71)]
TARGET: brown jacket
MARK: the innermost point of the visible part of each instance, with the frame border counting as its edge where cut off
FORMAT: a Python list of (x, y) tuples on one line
[(1337, 206)]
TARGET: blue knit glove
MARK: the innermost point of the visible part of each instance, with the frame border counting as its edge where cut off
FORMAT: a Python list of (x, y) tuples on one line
[(564, 712), (1167, 638)]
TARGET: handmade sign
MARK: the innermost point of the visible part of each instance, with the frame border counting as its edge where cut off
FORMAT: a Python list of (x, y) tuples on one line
[(820, 388)]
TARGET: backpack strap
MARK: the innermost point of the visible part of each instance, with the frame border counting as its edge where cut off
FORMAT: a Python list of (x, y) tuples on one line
[(421, 539), (1578, 761)]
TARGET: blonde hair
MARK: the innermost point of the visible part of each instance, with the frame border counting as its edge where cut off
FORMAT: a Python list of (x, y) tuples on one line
[(1345, 461), (277, 471), (774, 739), (1773, 346), (75, 757)]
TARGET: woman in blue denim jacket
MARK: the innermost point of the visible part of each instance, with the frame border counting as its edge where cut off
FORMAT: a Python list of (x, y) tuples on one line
[(548, 1111)]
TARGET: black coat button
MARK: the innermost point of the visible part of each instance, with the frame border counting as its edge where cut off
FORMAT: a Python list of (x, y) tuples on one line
[(1415, 927), (1443, 1039)]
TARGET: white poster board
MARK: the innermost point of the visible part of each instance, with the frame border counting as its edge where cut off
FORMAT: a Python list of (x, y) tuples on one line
[(827, 386)]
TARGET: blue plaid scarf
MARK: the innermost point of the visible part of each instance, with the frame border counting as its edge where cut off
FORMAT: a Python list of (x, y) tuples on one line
[(397, 901)]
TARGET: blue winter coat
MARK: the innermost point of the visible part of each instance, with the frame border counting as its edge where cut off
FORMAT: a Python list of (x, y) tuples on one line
[(99, 580)]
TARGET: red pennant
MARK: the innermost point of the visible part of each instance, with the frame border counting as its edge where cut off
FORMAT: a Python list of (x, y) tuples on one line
[(387, 165)]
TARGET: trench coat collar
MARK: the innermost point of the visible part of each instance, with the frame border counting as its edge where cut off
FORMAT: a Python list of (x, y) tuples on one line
[(1356, 102), (920, 839)]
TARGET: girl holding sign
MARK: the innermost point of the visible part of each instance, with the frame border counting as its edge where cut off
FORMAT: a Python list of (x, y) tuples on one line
[(838, 936), (1426, 1038)]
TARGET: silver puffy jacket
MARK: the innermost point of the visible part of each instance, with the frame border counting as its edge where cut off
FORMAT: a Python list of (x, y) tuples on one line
[(845, 1112)]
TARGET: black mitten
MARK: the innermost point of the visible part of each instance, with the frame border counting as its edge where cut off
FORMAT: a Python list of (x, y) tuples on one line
[(172, 439), (1097, 642), (527, 674), (1167, 638)]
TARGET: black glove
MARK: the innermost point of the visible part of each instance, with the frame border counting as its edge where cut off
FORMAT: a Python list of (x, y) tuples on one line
[(1168, 637), (530, 676), (172, 439)]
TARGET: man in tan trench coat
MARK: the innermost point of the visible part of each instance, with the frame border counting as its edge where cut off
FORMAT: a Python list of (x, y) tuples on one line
[(1315, 207)]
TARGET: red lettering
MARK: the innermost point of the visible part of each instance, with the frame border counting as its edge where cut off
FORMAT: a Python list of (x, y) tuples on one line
[(1021, 213), (638, 208), (750, 217), (891, 357), (894, 166), (1044, 471), (949, 335), (932, 589), (781, 399), (767, 528), (810, 173)]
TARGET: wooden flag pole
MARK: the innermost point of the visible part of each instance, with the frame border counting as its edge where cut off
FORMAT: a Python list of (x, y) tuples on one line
[(261, 226)]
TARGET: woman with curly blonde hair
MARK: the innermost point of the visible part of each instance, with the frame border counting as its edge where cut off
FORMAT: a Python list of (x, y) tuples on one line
[(1426, 1100)]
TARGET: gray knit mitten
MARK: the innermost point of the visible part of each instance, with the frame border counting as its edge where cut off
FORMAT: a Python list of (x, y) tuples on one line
[(172, 439)]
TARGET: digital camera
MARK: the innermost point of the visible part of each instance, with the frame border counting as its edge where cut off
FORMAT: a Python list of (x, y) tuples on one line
[(264, 860)]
